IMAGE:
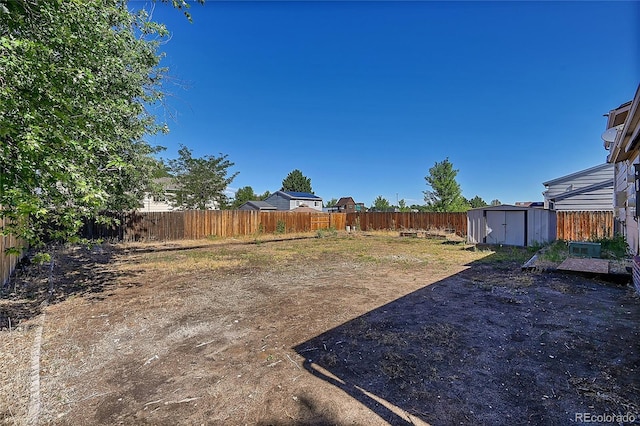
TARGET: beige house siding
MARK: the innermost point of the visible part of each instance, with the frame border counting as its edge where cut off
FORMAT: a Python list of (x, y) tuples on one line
[(624, 152)]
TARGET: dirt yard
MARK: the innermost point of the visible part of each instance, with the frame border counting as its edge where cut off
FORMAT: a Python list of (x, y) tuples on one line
[(358, 329)]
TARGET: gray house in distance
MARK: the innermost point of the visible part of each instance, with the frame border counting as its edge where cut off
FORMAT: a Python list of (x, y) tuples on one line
[(257, 205), (288, 200), (587, 190)]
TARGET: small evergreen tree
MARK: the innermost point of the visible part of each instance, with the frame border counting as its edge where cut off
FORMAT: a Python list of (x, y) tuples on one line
[(446, 195), (477, 202), (296, 182)]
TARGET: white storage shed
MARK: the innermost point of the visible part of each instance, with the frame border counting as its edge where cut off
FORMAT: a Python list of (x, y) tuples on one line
[(511, 225)]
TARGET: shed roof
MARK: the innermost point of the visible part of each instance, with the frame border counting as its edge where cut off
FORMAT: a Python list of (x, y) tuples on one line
[(305, 209), (504, 207)]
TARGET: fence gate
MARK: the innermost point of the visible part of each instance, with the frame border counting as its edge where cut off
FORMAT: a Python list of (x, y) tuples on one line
[(319, 221)]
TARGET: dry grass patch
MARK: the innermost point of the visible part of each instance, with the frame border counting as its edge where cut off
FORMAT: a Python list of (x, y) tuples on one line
[(15, 380), (225, 331)]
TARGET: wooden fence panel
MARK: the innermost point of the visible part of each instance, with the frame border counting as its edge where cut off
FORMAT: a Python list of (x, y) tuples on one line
[(338, 221), (584, 225), (8, 262), (196, 224), (456, 222)]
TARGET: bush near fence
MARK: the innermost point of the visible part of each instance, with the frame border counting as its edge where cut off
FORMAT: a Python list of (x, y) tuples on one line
[(584, 225), (371, 221), (196, 224)]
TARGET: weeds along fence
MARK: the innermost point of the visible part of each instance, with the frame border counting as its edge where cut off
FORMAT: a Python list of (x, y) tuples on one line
[(584, 225), (196, 224), (371, 221)]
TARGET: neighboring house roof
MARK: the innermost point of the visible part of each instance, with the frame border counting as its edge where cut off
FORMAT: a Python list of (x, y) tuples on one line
[(306, 209), (628, 138), (298, 195), (583, 190), (344, 201), (258, 205), (575, 175)]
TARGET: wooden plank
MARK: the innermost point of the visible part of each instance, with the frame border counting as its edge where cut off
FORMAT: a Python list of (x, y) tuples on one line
[(596, 266)]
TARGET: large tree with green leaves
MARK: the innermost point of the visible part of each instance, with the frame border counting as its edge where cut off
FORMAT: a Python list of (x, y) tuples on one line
[(76, 80), (296, 182), (445, 194), (243, 195), (380, 204), (200, 182)]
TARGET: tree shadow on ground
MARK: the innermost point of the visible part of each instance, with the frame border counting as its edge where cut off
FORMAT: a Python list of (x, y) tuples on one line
[(74, 271), (490, 345)]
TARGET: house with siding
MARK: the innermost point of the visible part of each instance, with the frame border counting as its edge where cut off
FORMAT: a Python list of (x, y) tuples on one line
[(347, 205), (622, 140), (151, 203), (159, 202), (262, 206), (587, 190), (289, 200)]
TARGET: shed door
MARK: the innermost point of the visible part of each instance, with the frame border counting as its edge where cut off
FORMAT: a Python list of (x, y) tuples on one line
[(506, 227)]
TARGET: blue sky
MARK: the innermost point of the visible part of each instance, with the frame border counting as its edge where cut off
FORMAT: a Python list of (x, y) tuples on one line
[(365, 97)]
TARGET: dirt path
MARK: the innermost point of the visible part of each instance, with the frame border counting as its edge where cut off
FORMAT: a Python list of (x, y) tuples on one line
[(346, 330)]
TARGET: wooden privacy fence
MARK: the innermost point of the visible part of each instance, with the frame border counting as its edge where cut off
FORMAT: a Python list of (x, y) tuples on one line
[(584, 225), (195, 224), (8, 262), (369, 221)]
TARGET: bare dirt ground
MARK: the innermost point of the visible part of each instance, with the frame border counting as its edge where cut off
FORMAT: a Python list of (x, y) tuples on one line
[(347, 330)]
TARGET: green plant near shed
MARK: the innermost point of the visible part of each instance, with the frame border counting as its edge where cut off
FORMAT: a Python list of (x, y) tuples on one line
[(613, 248)]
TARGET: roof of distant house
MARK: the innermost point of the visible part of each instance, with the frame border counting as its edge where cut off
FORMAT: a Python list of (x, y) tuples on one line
[(344, 201), (260, 205), (293, 194), (305, 209)]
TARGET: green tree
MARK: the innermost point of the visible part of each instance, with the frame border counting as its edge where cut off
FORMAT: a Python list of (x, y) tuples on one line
[(76, 81), (477, 202), (380, 204), (420, 208), (264, 196), (332, 202), (402, 206), (243, 195), (200, 181), (296, 182), (446, 195), (496, 202)]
